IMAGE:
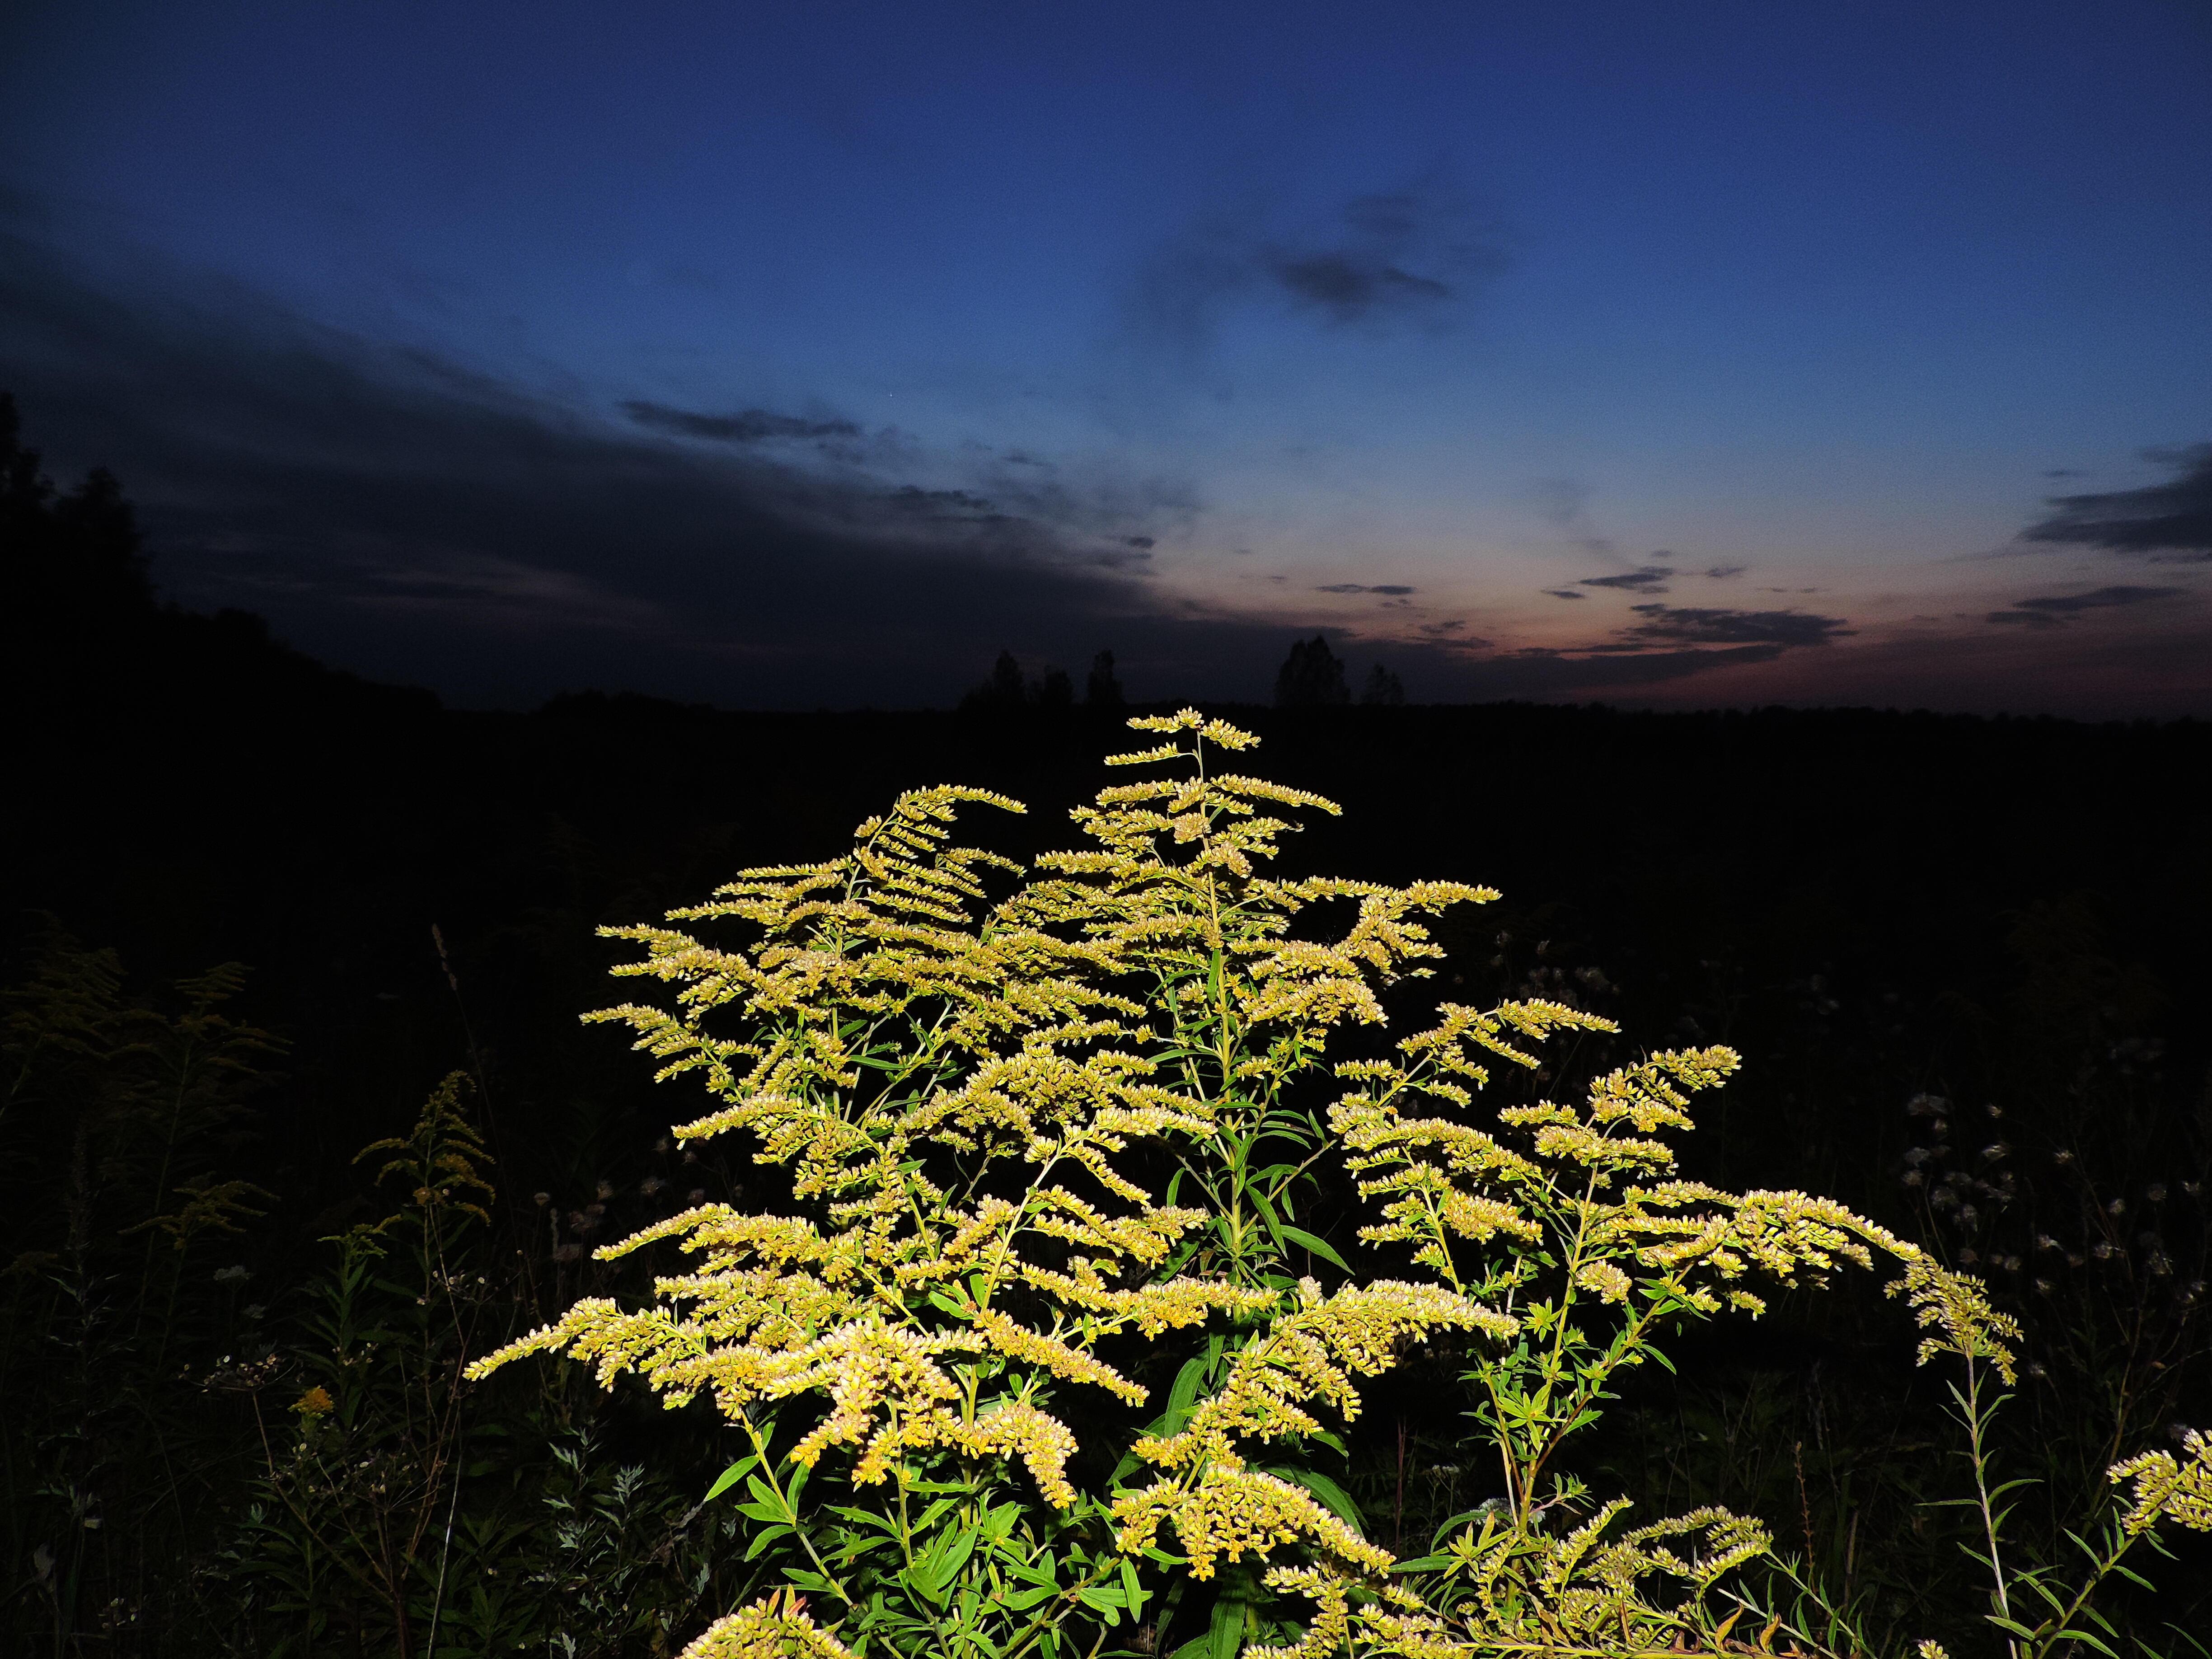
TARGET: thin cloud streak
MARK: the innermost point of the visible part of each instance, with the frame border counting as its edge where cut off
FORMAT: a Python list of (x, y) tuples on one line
[(746, 427), (1646, 578), (2055, 609), (1723, 626)]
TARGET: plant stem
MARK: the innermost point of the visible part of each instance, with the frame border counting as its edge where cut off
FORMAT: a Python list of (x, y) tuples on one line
[(1976, 1423)]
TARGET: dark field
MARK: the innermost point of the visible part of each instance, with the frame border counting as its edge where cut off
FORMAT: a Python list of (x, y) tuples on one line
[(2001, 920)]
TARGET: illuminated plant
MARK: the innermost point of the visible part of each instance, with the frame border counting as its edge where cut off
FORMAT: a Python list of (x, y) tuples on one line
[(1045, 1151)]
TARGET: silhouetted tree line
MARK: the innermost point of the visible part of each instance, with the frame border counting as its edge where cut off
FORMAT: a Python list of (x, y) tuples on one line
[(1007, 689), (82, 636), (1312, 677)]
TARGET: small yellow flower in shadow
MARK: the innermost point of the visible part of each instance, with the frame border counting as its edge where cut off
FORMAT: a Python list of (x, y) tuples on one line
[(316, 1402)]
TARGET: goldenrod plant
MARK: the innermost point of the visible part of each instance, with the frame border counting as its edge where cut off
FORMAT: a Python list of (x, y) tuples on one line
[(1051, 1137)]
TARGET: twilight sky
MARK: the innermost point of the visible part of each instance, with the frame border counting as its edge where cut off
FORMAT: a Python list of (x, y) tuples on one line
[(1692, 354)]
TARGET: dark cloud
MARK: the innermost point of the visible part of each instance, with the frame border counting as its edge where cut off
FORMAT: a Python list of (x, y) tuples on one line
[(1349, 290), (746, 427), (1720, 572), (1392, 588), (2173, 518), (2049, 610), (415, 519), (1565, 593), (1649, 579), (960, 503), (1145, 542), (1670, 644), (1713, 627), (1411, 257)]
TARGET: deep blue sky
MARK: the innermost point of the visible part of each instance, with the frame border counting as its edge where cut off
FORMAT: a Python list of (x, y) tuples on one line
[(1692, 354)]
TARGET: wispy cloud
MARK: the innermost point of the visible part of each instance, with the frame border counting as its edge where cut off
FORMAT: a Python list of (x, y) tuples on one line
[(1395, 589), (2051, 611), (746, 427), (1383, 262)]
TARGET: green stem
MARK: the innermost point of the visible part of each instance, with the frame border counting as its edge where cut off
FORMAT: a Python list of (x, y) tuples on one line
[(791, 1514), (2057, 1626), (1976, 1424)]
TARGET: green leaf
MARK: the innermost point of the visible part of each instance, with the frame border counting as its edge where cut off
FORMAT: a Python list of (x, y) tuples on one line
[(2084, 1637), (957, 1554), (1224, 1635), (729, 1477), (1181, 1398), (1306, 1241), (945, 1304), (1031, 1571), (866, 1518), (1268, 1214), (762, 1539)]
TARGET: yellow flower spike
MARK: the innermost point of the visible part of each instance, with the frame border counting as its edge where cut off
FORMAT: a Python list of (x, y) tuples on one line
[(2167, 1489), (1956, 1309), (774, 1627)]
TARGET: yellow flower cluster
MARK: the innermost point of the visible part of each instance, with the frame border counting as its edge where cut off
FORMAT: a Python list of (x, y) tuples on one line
[(1509, 1591), (1956, 1308), (2167, 1489), (774, 1627), (1571, 1217), (955, 1088), (1218, 1506), (970, 1075)]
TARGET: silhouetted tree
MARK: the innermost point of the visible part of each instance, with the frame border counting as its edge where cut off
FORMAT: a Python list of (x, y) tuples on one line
[(68, 560), (1312, 677), (1102, 690), (1008, 690), (1382, 688), (1002, 691)]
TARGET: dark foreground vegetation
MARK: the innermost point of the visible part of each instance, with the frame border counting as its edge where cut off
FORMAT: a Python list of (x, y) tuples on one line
[(259, 916)]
